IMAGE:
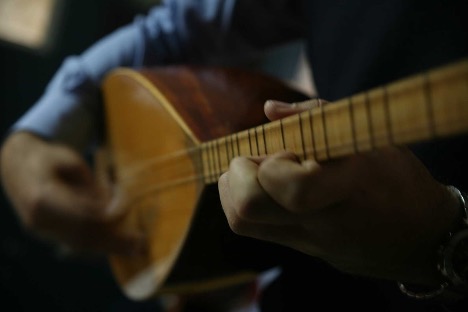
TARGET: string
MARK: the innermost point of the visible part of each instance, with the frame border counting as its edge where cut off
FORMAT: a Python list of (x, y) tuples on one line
[(133, 171), (201, 177), (181, 153), (163, 161)]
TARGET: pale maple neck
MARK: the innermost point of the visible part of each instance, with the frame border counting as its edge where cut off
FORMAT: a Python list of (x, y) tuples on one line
[(419, 108)]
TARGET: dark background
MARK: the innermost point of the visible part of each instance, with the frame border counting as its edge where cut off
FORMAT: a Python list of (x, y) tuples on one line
[(33, 275)]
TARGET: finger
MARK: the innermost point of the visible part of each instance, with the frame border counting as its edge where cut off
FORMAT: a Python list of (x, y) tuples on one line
[(275, 110), (246, 227), (246, 199), (235, 222), (290, 235), (303, 187)]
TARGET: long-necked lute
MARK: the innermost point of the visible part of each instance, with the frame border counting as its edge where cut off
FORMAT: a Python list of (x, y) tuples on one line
[(171, 132)]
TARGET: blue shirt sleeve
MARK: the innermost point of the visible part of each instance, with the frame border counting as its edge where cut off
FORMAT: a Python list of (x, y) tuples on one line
[(189, 31)]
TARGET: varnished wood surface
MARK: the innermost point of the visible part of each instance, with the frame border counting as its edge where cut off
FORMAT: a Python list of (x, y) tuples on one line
[(172, 131), (154, 121)]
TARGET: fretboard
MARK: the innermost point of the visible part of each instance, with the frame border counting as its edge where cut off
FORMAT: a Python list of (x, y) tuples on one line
[(420, 108)]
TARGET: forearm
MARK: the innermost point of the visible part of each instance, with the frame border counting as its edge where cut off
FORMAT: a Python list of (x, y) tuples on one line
[(176, 31)]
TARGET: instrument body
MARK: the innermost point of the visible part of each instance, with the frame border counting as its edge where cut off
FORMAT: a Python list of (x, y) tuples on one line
[(155, 119), (170, 133)]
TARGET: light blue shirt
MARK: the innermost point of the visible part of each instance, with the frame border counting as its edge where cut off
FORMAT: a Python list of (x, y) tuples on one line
[(177, 31)]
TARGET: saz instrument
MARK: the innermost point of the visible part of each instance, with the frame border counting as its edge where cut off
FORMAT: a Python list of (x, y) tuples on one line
[(171, 132)]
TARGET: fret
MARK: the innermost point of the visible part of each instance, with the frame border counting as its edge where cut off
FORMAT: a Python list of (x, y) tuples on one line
[(292, 139), (228, 153), (304, 152), (250, 143), (378, 118), (282, 134), (243, 142), (410, 110), (206, 164), (236, 144), (312, 134), (226, 145), (319, 134), (264, 140), (325, 133), (273, 136), (338, 139), (200, 157), (258, 145), (213, 162), (388, 119), (218, 157), (370, 128), (233, 145), (229, 148), (428, 100), (256, 141), (255, 150), (224, 150), (352, 124), (361, 123)]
